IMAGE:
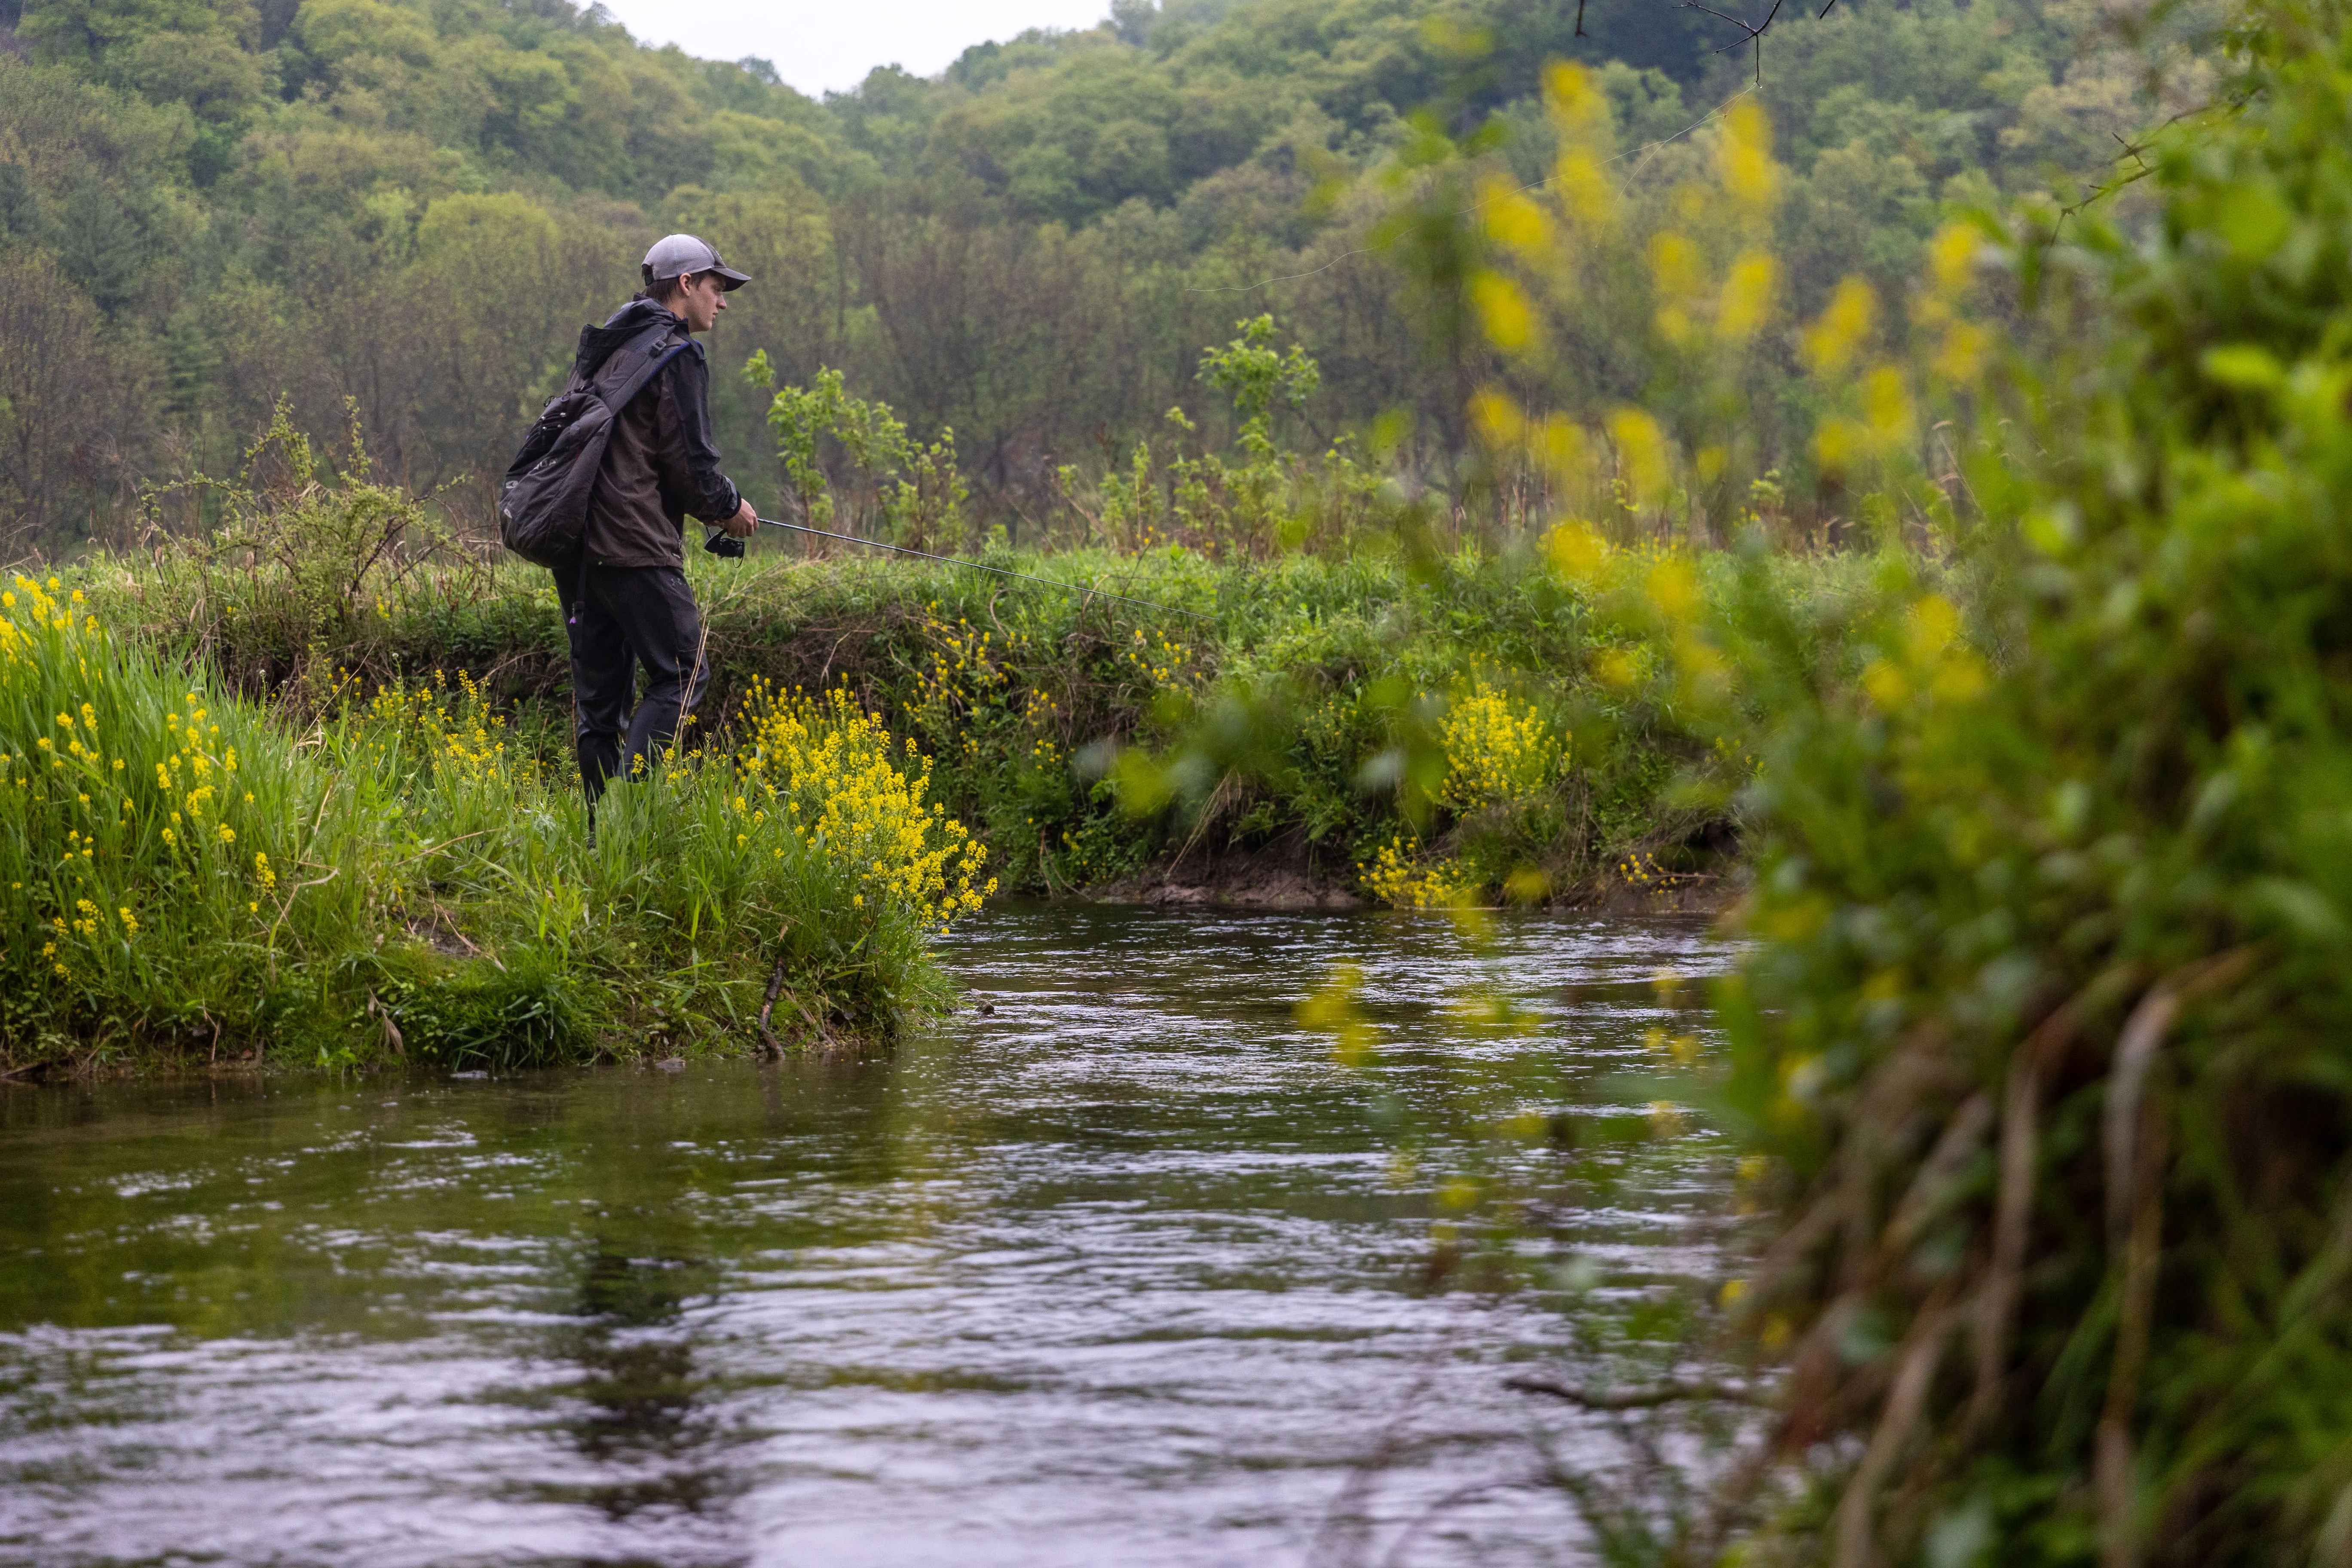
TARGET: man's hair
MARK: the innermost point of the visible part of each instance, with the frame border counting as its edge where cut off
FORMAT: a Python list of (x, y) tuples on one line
[(662, 291)]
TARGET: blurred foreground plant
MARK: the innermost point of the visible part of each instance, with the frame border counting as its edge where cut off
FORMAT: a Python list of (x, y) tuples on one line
[(2038, 1053)]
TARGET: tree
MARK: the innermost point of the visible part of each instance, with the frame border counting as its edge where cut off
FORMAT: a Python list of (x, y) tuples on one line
[(69, 421)]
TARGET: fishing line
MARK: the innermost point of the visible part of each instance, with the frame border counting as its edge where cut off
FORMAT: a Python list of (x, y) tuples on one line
[(1678, 136), (1473, 207), (714, 541)]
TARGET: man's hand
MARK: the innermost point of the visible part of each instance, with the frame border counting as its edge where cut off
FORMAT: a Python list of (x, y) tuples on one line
[(744, 523)]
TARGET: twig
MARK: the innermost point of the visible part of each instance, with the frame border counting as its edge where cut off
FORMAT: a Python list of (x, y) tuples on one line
[(772, 1045), (775, 988), (333, 872), (1755, 34), (1209, 810), (2013, 1205), (2135, 1049), (2111, 1455), (2112, 186), (1643, 1397), (436, 849), (2136, 1148), (382, 1016)]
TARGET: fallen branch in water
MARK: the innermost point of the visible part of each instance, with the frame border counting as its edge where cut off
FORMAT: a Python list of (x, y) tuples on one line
[(1641, 1396), (770, 1045)]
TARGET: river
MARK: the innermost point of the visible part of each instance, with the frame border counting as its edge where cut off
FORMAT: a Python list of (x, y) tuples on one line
[(1127, 1269)]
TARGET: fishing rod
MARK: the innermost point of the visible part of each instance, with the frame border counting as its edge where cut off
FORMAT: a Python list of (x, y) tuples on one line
[(728, 547)]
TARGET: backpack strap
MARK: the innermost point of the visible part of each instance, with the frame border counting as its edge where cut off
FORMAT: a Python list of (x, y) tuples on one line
[(636, 381), (622, 390)]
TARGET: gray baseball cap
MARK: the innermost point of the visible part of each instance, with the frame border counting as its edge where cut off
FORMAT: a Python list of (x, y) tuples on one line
[(676, 255)]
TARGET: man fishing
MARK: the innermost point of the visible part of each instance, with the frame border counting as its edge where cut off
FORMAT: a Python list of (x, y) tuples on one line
[(626, 600)]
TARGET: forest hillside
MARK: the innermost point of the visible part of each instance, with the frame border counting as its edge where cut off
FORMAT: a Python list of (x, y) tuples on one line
[(398, 213)]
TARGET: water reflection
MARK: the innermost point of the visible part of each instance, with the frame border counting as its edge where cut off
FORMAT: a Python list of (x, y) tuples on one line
[(1128, 1270), (635, 1417)]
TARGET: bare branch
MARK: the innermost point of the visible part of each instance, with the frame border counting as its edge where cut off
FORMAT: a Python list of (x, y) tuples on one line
[(1643, 1397)]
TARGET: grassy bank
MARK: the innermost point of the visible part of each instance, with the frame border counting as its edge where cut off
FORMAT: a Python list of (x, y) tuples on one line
[(411, 874), (1411, 726), (186, 871)]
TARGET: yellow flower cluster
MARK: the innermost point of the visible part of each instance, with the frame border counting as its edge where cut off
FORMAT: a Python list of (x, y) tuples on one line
[(1934, 662), (823, 771), (1162, 659), (455, 728), (186, 778), (1047, 720), (1395, 877), (97, 790), (965, 672), (1641, 870), (40, 635), (46, 611), (1495, 755)]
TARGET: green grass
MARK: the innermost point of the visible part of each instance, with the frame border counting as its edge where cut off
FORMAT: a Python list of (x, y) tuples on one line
[(186, 870), (1293, 706)]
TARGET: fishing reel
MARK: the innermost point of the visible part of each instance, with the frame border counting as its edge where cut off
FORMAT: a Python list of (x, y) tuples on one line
[(725, 546)]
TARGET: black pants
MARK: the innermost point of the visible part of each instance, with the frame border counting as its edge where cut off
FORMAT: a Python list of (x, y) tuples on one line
[(620, 618)]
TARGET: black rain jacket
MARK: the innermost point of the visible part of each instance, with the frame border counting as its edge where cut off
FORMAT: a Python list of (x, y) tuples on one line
[(662, 465)]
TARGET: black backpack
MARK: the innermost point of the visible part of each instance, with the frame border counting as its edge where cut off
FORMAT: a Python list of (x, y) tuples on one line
[(543, 502)]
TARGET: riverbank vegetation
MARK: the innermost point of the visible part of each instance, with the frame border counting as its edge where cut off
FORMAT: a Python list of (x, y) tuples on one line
[(2044, 1038), (188, 871), (1315, 712)]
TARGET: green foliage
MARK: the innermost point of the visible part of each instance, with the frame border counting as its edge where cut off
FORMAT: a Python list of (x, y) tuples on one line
[(1258, 378), (413, 206), (873, 442), (916, 493)]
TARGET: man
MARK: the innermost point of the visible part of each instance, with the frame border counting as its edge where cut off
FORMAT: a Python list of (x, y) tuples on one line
[(625, 602)]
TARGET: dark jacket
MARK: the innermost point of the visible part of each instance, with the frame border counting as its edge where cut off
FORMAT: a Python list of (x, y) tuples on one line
[(662, 465)]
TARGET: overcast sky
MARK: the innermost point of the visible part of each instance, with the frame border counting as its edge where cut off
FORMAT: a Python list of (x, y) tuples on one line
[(822, 46)]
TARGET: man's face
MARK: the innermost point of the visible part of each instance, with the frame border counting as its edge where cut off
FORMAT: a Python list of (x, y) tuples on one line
[(700, 301)]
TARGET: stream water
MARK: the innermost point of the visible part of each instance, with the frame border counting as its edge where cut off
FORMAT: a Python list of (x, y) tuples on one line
[(1128, 1270)]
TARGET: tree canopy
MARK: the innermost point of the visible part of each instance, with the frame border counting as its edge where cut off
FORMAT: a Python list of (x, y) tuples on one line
[(409, 206)]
